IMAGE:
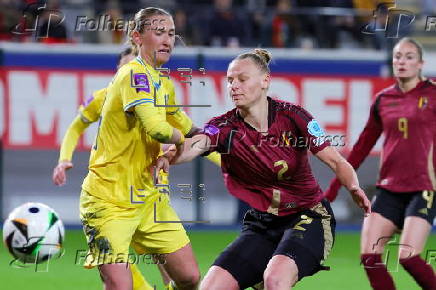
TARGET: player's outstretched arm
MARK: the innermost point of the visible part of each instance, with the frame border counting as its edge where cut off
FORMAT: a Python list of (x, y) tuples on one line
[(191, 148), (346, 175), (69, 143)]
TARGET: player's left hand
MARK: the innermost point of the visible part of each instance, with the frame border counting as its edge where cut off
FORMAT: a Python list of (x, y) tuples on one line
[(361, 200)]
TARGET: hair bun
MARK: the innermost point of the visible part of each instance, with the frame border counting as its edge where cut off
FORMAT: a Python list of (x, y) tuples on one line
[(264, 54)]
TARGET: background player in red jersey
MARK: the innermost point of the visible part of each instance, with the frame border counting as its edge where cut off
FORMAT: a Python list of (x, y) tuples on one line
[(406, 114), (289, 231)]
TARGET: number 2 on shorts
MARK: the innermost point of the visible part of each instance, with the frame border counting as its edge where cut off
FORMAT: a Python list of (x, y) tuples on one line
[(305, 220)]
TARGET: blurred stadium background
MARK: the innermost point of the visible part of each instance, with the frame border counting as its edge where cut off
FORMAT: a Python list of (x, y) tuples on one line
[(330, 56)]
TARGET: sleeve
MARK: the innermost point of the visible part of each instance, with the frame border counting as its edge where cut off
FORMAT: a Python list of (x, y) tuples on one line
[(136, 89), (90, 109), (71, 137), (175, 115), (154, 124), (361, 149), (367, 138), (221, 135), (311, 132), (136, 93)]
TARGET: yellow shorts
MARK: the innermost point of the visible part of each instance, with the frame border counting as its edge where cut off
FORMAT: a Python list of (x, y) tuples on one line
[(153, 228)]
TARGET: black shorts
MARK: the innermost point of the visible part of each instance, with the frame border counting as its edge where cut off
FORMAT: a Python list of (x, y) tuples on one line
[(307, 237), (397, 206)]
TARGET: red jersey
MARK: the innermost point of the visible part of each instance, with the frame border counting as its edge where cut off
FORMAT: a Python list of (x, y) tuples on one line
[(270, 171), (408, 121)]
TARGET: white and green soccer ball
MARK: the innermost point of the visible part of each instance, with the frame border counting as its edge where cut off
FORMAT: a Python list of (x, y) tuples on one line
[(33, 233)]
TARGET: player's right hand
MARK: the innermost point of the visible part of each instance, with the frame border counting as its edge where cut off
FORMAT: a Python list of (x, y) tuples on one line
[(59, 176), (361, 200), (332, 191), (162, 163)]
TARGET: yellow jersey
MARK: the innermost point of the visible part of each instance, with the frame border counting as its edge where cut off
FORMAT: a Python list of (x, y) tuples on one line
[(90, 110), (123, 152)]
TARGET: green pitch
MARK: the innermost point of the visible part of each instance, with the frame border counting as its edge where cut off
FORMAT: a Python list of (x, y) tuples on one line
[(64, 274)]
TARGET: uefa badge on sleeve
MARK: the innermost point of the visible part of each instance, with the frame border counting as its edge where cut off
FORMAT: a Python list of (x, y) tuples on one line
[(211, 129), (315, 130), (141, 82)]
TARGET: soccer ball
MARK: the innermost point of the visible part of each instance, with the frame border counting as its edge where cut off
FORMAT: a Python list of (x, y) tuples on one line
[(33, 233)]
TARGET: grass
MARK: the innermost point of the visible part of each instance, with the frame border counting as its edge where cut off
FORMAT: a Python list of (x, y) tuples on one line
[(64, 274)]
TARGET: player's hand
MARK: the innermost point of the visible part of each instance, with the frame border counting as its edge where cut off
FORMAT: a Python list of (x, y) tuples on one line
[(332, 191), (169, 150), (59, 176), (361, 200), (162, 163)]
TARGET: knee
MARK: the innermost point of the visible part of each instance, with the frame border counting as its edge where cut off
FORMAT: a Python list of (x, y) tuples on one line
[(207, 284), (116, 276), (191, 279), (273, 280), (115, 282)]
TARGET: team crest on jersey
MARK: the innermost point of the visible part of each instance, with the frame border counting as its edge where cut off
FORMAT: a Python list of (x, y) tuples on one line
[(141, 82), (315, 129), (422, 102), (211, 129)]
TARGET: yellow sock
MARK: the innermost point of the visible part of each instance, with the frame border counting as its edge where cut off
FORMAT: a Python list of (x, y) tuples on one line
[(139, 282)]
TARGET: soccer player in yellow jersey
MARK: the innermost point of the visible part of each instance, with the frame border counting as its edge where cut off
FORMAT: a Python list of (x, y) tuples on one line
[(89, 113), (120, 204)]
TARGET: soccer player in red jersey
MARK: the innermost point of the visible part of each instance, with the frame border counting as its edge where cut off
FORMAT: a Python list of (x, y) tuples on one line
[(406, 113), (289, 231)]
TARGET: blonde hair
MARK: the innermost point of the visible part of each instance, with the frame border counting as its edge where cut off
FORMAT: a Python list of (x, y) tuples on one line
[(139, 23), (261, 57), (415, 43)]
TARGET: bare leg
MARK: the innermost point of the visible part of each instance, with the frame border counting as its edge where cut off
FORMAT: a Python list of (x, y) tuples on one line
[(182, 267), (376, 232), (413, 238), (116, 276), (218, 278), (165, 277), (281, 273)]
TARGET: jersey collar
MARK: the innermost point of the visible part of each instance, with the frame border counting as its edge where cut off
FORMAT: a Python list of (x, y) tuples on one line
[(271, 114), (419, 85), (143, 63)]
